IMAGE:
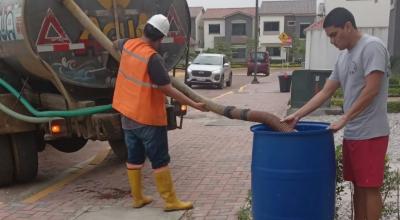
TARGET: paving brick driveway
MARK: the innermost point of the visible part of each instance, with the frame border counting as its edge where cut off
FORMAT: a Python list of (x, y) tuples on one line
[(211, 160)]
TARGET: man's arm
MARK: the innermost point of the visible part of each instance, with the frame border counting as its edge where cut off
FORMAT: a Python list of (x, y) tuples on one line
[(183, 99), (368, 93), (329, 89)]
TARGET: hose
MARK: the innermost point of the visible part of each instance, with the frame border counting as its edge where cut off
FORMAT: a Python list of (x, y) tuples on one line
[(25, 118), (227, 111), (63, 114)]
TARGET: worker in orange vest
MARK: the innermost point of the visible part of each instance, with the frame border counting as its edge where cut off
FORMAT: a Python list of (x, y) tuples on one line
[(140, 90)]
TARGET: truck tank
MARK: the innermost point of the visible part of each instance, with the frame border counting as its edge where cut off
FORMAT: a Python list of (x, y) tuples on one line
[(42, 40)]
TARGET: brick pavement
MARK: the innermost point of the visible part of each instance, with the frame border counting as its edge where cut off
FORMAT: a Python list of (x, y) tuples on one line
[(211, 159)]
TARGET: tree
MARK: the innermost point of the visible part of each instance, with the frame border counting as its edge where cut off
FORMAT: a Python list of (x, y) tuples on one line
[(221, 46), (298, 49)]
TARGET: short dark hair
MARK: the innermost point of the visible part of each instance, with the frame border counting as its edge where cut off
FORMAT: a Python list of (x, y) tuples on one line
[(152, 33), (338, 17)]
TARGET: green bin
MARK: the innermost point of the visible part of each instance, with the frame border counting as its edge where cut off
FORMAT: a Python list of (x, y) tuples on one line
[(307, 83)]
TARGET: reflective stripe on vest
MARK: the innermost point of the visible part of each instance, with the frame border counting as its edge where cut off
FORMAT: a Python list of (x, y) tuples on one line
[(136, 81), (135, 96)]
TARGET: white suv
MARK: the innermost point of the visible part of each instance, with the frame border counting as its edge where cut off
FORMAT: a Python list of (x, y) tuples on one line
[(209, 69)]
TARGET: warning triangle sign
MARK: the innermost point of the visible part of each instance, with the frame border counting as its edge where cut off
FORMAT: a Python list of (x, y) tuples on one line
[(176, 24), (51, 31)]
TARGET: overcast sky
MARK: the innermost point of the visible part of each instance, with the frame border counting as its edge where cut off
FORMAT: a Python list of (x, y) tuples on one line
[(225, 3)]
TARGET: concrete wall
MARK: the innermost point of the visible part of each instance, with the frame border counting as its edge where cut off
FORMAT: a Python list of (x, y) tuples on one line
[(368, 13), (268, 40), (321, 54), (239, 18), (294, 31), (394, 29), (209, 38)]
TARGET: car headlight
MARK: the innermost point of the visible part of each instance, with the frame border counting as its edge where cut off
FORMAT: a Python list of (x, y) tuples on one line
[(217, 72), (189, 70)]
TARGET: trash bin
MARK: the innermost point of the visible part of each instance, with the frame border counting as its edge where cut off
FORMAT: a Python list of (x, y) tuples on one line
[(305, 84), (293, 174), (284, 83)]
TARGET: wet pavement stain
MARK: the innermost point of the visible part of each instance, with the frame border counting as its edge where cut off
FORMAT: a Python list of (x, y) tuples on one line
[(106, 193)]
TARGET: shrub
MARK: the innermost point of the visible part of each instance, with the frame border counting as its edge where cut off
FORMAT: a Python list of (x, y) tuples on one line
[(393, 107), (390, 185), (394, 81), (394, 92)]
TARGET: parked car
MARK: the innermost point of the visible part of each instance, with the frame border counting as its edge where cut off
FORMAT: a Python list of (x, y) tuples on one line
[(262, 61), (209, 69)]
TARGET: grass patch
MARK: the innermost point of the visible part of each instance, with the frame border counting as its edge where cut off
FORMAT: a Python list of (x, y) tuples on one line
[(394, 92), (245, 211)]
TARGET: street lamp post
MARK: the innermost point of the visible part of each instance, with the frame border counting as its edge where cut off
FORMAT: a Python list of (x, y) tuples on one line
[(255, 81)]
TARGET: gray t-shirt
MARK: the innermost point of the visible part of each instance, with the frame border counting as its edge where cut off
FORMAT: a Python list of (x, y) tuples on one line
[(158, 74), (351, 69)]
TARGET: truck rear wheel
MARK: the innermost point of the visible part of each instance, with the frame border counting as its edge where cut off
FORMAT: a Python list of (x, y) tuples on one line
[(119, 148), (68, 145), (6, 162), (24, 147)]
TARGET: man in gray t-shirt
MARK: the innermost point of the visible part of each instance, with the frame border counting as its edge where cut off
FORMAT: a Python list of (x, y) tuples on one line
[(362, 70)]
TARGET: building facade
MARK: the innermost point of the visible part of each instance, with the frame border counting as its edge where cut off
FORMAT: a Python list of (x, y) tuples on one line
[(290, 17), (231, 27)]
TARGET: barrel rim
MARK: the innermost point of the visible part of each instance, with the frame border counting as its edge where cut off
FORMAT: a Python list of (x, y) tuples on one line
[(276, 133)]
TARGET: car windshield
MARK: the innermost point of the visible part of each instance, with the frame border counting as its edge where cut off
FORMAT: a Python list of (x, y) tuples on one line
[(208, 60), (260, 56)]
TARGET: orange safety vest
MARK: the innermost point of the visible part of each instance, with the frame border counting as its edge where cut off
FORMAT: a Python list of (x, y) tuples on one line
[(135, 96)]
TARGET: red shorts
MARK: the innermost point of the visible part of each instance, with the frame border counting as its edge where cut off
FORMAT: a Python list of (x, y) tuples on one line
[(364, 161)]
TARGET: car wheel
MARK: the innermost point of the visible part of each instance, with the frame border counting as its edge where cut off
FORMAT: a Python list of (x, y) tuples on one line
[(229, 82), (221, 83)]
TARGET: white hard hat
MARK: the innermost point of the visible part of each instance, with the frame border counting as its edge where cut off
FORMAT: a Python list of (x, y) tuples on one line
[(160, 22)]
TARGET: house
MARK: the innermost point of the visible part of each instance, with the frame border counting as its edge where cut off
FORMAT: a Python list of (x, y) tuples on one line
[(320, 54), (232, 26), (197, 27), (394, 28), (290, 17)]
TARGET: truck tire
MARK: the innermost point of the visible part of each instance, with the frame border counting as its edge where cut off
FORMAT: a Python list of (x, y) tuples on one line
[(6, 162), (119, 148), (68, 145), (24, 147)]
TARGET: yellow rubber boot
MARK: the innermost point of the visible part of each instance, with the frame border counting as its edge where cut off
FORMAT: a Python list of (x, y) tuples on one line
[(166, 189), (135, 181)]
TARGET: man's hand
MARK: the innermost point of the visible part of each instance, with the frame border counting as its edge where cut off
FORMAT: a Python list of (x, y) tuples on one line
[(291, 120), (200, 106), (339, 124)]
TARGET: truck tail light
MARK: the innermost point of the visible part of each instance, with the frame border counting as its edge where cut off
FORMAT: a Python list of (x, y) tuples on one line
[(58, 127), (184, 108)]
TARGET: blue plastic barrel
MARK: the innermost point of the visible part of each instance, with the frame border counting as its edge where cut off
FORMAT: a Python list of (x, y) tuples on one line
[(293, 174)]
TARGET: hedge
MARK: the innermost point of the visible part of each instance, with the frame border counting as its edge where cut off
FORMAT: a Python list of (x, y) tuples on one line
[(392, 106)]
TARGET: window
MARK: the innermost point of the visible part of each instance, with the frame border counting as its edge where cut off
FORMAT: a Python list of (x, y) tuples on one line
[(271, 27), (214, 29), (208, 60), (274, 51), (238, 29), (302, 32), (291, 23), (238, 53)]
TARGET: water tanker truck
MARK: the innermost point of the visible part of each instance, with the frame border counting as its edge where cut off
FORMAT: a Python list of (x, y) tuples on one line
[(57, 80)]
